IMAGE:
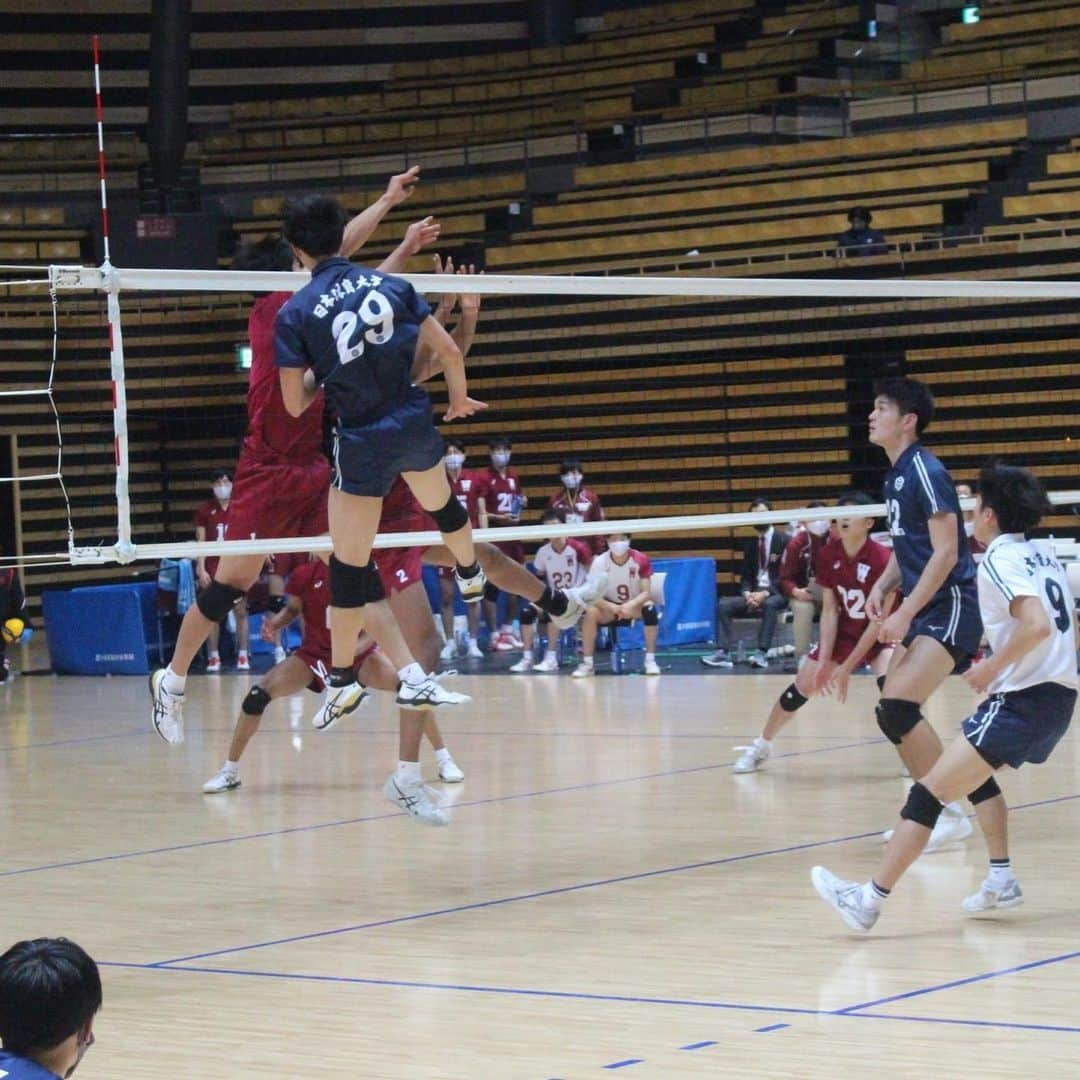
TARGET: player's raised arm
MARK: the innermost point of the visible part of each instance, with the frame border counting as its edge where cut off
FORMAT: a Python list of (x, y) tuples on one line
[(358, 230), (419, 235)]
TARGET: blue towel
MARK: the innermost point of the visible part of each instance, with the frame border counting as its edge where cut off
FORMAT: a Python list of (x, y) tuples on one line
[(185, 594)]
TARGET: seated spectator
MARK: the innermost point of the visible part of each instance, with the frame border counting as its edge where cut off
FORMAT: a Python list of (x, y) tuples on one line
[(797, 580), (860, 239), (575, 502), (628, 596), (50, 991), (560, 564), (760, 593), (975, 545), (12, 614)]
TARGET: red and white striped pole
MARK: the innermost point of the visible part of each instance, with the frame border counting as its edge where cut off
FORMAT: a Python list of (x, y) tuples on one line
[(125, 550)]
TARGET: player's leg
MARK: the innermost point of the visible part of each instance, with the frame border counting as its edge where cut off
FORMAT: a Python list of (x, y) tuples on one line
[(549, 665), (803, 612), (235, 574), (770, 614), (277, 602), (528, 638), (288, 677), (784, 708), (213, 650), (446, 598), (243, 632), (726, 610), (650, 617), (603, 614)]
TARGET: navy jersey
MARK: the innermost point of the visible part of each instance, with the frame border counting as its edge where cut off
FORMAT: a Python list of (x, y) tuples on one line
[(356, 329), (917, 487), (17, 1068)]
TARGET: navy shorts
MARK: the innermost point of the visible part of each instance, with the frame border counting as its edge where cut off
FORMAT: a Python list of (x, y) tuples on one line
[(368, 458), (1021, 725), (952, 618)]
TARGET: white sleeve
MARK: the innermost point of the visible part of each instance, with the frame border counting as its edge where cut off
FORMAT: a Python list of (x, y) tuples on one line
[(1009, 572), (599, 566)]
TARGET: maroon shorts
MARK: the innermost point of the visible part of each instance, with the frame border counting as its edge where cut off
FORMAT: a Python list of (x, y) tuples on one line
[(318, 662), (399, 567), (277, 501), (284, 564), (844, 647)]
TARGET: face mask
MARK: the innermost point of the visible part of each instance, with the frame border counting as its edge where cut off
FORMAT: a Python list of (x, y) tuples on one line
[(571, 480), (500, 459), (222, 491), (455, 461), (818, 528), (619, 547)]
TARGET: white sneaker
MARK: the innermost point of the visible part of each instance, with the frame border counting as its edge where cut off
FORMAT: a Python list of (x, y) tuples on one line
[(450, 773), (580, 598), (523, 665), (845, 897), (243, 663), (549, 665), (168, 710), (471, 588), (950, 827), (757, 753), (339, 701), (449, 651), (213, 665), (279, 654), (474, 652), (515, 640), (758, 659), (415, 798), (223, 780), (989, 898), (584, 671), (504, 642), (428, 695), (721, 658), (652, 667)]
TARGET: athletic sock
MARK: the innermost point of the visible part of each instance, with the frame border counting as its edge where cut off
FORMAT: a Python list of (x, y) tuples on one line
[(956, 809), (468, 572), (442, 756), (650, 656), (173, 683), (587, 661), (873, 895), (340, 676), (1000, 873), (412, 675), (232, 766), (408, 771)]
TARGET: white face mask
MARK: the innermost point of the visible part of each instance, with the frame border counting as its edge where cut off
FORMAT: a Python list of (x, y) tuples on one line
[(618, 548), (222, 492), (500, 459), (571, 480), (455, 461), (818, 528)]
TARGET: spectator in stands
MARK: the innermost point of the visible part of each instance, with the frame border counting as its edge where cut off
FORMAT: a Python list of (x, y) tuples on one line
[(210, 519), (575, 502), (628, 596), (12, 615), (464, 483), (500, 501), (975, 545), (761, 594), (797, 581), (860, 239), (50, 992)]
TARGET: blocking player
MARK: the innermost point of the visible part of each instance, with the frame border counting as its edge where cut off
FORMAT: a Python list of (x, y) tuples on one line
[(1031, 681), (562, 563), (281, 480), (847, 569), (210, 519), (464, 484), (385, 428), (500, 503), (627, 597)]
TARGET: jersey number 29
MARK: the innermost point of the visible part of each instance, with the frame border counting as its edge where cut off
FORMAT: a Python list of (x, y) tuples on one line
[(378, 317)]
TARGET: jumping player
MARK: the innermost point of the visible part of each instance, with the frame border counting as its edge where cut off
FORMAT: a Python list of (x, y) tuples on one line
[(847, 569), (1031, 681), (280, 485)]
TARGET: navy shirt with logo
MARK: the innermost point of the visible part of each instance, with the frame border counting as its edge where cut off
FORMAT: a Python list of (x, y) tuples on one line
[(357, 329), (17, 1068), (917, 487)]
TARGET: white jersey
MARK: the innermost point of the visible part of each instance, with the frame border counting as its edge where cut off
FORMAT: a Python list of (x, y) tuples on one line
[(563, 569), (624, 582), (1012, 567)]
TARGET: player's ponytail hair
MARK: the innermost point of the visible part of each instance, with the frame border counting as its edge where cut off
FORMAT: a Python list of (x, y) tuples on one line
[(1016, 496)]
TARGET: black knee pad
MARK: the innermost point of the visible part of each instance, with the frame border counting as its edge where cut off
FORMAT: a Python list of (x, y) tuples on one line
[(896, 718), (217, 600), (354, 586), (880, 683), (921, 806), (989, 790), (277, 603), (254, 704), (451, 517), (650, 616), (791, 700), (527, 615), (491, 592)]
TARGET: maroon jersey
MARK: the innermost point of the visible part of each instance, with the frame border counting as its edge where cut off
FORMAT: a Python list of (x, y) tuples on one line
[(273, 436), (467, 490), (852, 579), (310, 584), (401, 512), (211, 516), (500, 493), (583, 505), (800, 558)]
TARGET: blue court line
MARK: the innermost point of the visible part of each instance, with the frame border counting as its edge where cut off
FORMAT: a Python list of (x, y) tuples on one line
[(481, 904), (699, 1045), (1010, 1025), (592, 784), (623, 1064), (772, 1027)]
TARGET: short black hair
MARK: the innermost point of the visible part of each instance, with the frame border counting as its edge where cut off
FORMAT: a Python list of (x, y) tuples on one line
[(455, 442), (315, 224), (759, 500), (911, 396), (570, 464), (860, 211), (551, 514), (269, 253), (1016, 496), (500, 440), (219, 473), (858, 498), (49, 990)]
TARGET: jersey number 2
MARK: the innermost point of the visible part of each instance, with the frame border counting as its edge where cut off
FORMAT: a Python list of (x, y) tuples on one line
[(378, 318)]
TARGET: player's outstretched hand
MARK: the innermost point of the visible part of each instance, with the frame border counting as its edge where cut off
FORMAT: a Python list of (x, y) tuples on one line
[(838, 684), (470, 302), (402, 186), (421, 234), (466, 407)]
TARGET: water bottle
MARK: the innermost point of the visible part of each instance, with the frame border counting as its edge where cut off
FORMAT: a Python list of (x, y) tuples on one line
[(516, 502)]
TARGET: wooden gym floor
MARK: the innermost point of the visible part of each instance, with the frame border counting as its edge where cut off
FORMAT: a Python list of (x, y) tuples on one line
[(608, 897)]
